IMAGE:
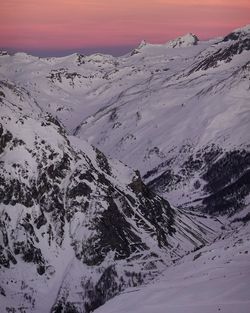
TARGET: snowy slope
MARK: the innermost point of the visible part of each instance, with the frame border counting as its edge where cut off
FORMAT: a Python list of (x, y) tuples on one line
[(183, 41), (213, 279), (75, 227), (170, 110), (176, 123)]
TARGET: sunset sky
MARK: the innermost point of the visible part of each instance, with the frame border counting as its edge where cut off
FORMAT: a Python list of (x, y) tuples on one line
[(59, 26)]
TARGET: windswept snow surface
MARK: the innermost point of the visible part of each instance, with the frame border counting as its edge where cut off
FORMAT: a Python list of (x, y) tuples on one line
[(77, 228), (214, 279), (154, 108)]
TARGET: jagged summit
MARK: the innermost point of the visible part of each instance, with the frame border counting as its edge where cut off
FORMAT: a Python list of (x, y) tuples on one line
[(238, 33), (183, 41), (3, 53), (77, 228), (244, 29), (139, 48), (142, 44), (187, 40)]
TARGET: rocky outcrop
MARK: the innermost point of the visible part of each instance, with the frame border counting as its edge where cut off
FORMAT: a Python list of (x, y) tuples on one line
[(72, 218), (222, 177)]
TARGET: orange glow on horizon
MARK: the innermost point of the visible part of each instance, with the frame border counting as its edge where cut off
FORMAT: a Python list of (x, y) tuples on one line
[(54, 24)]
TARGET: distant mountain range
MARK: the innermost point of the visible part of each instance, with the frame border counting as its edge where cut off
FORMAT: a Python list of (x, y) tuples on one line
[(77, 226)]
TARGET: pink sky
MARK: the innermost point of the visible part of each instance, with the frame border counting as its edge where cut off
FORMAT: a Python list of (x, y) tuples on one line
[(69, 24)]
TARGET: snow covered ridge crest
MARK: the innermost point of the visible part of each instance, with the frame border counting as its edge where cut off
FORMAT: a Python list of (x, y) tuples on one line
[(191, 39), (180, 116), (174, 114), (75, 227), (238, 33), (187, 40), (183, 41)]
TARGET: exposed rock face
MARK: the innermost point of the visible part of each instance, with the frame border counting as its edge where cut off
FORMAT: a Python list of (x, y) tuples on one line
[(72, 222), (4, 53), (223, 54), (187, 40), (222, 177), (76, 228), (238, 33), (191, 122)]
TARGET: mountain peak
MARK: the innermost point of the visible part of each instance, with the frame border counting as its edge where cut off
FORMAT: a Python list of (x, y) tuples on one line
[(238, 33), (3, 52), (142, 44), (183, 41), (244, 29)]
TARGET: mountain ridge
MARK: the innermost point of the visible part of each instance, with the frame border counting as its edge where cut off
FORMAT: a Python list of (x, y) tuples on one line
[(180, 116), (76, 228)]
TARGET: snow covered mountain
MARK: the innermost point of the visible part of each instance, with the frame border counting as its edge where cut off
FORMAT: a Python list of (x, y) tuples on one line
[(183, 41), (179, 115), (213, 279), (77, 227), (185, 124)]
